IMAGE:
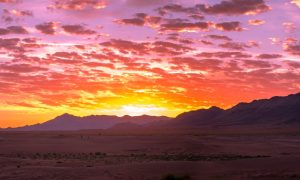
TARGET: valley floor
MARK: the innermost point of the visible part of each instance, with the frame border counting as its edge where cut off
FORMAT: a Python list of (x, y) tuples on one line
[(97, 155)]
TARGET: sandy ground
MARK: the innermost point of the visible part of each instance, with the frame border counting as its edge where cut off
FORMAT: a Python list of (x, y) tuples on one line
[(97, 155)]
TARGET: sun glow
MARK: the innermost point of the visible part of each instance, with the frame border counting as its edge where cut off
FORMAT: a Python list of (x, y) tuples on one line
[(138, 110)]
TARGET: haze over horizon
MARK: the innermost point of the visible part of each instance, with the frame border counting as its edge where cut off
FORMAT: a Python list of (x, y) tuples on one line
[(133, 57)]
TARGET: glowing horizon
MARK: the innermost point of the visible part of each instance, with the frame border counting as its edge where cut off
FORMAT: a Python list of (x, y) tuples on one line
[(135, 57)]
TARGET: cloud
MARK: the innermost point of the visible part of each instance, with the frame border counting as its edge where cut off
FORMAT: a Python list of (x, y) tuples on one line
[(9, 43), (13, 30), (293, 64), (9, 1), (296, 2), (47, 28), (174, 25), (293, 48), (15, 15), (206, 42), (269, 56), (127, 46), (256, 64), (78, 4), (178, 24), (21, 68), (168, 48), (162, 48), (163, 24), (238, 45), (229, 26), (289, 27), (236, 7), (176, 8), (67, 55), (223, 54), (18, 12), (141, 19), (78, 30), (256, 22), (178, 38), (219, 37), (133, 21), (17, 30)]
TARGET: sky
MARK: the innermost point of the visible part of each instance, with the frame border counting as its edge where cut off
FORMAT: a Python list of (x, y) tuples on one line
[(134, 57)]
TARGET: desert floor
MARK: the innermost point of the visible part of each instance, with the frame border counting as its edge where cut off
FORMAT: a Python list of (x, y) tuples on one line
[(97, 155)]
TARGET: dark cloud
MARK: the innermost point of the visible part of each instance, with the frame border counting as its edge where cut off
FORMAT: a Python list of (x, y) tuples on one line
[(176, 8), (9, 43), (229, 26), (196, 17), (256, 64), (238, 45), (13, 30), (174, 25), (141, 19), (78, 30), (163, 24), (46, 28), (293, 64), (143, 48), (21, 68), (4, 31), (219, 37), (133, 21), (14, 15), (67, 55), (269, 56), (178, 24), (293, 48), (223, 54), (236, 7), (168, 48), (127, 46), (206, 42), (17, 30)]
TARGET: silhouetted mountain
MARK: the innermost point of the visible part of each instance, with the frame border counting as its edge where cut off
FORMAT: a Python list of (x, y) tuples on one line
[(70, 122), (277, 111), (283, 111), (198, 117)]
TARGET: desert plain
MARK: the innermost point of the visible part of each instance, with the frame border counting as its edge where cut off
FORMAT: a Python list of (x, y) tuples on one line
[(150, 155)]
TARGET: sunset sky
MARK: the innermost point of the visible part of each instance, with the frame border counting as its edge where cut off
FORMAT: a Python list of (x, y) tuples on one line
[(156, 57)]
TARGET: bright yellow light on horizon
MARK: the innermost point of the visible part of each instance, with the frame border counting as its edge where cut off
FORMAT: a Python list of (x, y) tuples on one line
[(138, 110)]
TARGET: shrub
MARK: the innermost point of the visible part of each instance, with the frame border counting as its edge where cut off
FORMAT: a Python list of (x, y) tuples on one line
[(174, 177)]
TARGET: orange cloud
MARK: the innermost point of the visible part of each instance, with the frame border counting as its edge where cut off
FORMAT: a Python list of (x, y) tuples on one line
[(296, 2), (78, 4), (256, 22)]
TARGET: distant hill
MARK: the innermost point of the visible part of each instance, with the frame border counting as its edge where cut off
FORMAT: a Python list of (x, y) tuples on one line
[(277, 111), (68, 122)]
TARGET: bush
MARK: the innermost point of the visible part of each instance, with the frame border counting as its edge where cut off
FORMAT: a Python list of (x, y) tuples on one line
[(173, 177)]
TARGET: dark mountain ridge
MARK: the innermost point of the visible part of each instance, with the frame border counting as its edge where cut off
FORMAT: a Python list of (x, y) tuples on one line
[(276, 111), (71, 123)]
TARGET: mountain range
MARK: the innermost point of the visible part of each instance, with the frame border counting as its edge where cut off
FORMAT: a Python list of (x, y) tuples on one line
[(276, 111)]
